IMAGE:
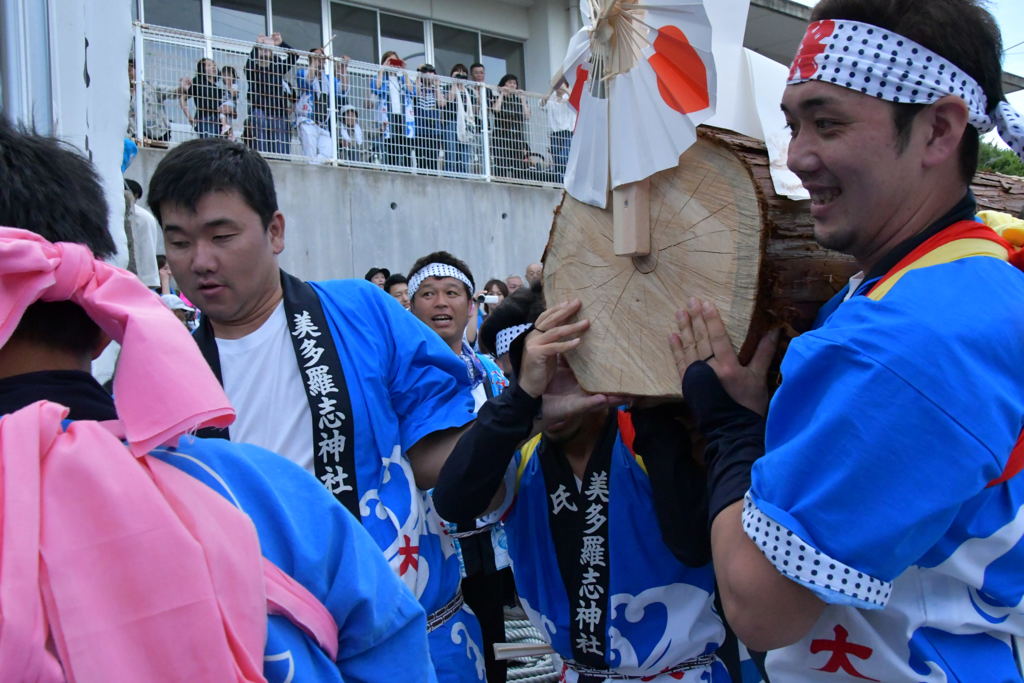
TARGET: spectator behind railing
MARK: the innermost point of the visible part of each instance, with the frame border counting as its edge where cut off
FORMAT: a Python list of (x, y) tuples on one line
[(561, 121), (370, 129), (269, 94), (207, 98), (351, 142), (508, 143), (460, 116), (394, 93), (229, 105), (429, 100), (156, 129), (313, 106)]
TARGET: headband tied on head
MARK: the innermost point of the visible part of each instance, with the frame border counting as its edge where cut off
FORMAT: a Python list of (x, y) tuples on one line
[(154, 344), (436, 270), (883, 64), (503, 340), (130, 542)]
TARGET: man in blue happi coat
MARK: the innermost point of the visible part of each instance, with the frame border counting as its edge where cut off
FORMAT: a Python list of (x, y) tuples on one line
[(603, 507), (881, 535), (333, 375)]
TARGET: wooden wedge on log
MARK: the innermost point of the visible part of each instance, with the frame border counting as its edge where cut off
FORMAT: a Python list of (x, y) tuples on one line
[(718, 232)]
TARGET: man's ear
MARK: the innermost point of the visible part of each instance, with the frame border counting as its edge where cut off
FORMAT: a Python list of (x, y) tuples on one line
[(276, 232), (946, 121), (101, 344)]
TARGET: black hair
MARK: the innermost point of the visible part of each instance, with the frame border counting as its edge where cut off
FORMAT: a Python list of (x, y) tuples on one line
[(501, 286), (475, 65), (47, 187), (458, 67), (521, 307), (396, 279), (135, 187), (961, 31), (227, 68), (448, 260), (372, 272), (506, 78), (200, 70), (196, 168)]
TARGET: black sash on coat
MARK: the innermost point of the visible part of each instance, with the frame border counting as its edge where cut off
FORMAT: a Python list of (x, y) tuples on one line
[(326, 390), (579, 530)]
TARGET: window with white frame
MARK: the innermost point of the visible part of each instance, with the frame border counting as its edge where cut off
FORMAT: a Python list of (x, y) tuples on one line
[(355, 33), (404, 36), (298, 22), (501, 56), (238, 19), (184, 14), (454, 46)]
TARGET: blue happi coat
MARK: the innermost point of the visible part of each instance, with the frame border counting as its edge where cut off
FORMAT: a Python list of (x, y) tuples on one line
[(306, 533), (888, 487), (404, 383), (659, 612)]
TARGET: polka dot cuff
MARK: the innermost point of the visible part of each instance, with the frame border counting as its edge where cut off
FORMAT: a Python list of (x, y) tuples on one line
[(883, 64), (830, 579)]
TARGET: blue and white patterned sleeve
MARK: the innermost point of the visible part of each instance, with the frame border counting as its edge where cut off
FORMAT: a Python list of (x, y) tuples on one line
[(864, 471), (429, 385), (310, 536)]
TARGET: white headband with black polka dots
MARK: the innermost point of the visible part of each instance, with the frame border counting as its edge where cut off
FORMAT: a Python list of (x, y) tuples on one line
[(436, 270), (878, 62), (503, 340)]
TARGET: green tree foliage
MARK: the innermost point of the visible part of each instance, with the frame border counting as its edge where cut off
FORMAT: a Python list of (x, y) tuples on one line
[(992, 158)]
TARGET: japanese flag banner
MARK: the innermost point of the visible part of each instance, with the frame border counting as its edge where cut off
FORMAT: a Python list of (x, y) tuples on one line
[(642, 77)]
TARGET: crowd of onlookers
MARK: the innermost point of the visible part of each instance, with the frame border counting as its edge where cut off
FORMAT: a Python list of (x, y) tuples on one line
[(452, 123)]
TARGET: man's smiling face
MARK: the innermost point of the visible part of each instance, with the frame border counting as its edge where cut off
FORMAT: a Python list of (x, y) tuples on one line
[(845, 150)]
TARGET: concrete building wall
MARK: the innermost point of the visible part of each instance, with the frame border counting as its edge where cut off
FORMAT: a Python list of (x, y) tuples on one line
[(342, 221), (550, 30), (492, 17)]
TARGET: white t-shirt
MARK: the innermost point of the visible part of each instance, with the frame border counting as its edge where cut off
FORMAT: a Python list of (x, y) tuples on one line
[(261, 377), (147, 242)]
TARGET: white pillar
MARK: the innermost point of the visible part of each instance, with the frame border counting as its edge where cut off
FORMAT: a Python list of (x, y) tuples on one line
[(90, 41)]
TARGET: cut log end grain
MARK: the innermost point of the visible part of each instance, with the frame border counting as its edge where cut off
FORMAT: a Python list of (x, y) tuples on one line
[(719, 232)]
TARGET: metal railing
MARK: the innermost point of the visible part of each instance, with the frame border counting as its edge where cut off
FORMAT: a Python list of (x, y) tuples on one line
[(297, 105)]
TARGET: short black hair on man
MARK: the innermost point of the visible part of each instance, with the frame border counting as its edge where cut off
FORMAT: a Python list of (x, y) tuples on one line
[(961, 31), (47, 187), (195, 168), (395, 279), (475, 65), (521, 307), (448, 260), (135, 187)]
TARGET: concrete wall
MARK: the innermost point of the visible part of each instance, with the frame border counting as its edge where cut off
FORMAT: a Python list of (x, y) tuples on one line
[(550, 31), (89, 78), (342, 221), (499, 18)]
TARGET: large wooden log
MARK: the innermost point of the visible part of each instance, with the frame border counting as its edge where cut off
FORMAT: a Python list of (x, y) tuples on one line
[(719, 232)]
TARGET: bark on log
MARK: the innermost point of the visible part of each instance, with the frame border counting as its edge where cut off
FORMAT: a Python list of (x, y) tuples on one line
[(776, 274)]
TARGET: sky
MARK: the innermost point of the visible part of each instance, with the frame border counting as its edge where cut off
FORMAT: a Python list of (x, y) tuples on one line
[(1010, 16)]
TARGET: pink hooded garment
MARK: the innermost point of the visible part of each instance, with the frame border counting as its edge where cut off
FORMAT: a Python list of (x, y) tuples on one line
[(135, 570)]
